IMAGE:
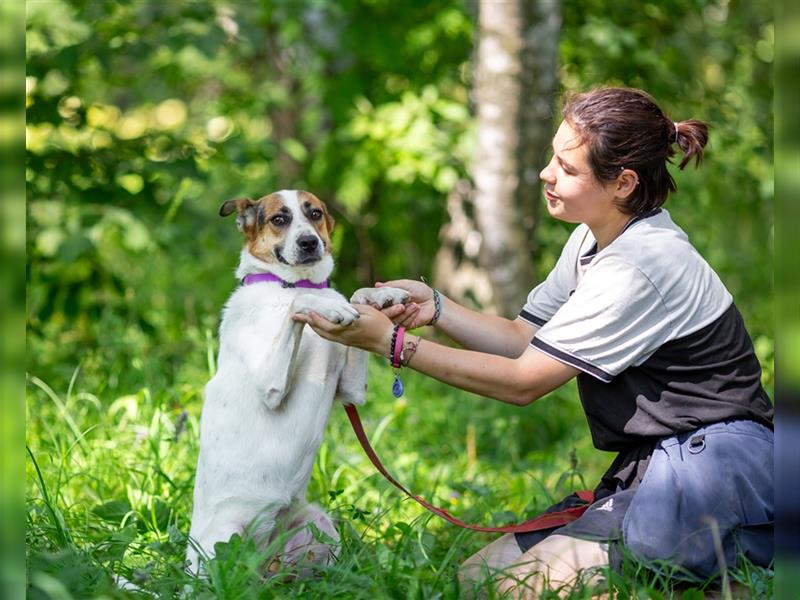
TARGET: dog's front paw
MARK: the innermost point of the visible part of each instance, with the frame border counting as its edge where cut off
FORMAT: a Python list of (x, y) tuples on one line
[(380, 297), (334, 310), (343, 314)]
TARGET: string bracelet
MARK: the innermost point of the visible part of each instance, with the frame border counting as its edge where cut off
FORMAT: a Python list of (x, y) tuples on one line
[(408, 351), (437, 307)]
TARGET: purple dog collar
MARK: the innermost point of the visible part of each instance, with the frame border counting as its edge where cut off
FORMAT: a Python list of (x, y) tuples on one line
[(303, 283)]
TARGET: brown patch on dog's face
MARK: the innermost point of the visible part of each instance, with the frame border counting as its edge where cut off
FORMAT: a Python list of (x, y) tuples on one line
[(266, 222), (272, 221), (263, 223), (317, 213)]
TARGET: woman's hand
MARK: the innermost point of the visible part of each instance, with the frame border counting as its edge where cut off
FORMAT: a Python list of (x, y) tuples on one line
[(420, 308), (372, 331)]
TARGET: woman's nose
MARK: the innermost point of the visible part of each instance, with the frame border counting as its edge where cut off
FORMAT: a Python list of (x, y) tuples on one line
[(546, 174)]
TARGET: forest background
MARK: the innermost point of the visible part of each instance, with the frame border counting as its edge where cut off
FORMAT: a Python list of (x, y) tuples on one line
[(143, 117)]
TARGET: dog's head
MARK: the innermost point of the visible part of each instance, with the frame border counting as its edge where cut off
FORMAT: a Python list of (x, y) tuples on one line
[(290, 227)]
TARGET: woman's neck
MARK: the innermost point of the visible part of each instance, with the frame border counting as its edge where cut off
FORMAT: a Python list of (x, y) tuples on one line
[(610, 229)]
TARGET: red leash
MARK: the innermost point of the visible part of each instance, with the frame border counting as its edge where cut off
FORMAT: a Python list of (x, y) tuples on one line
[(544, 521)]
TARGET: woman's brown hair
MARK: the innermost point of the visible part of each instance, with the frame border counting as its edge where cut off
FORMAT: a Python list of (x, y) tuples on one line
[(625, 129)]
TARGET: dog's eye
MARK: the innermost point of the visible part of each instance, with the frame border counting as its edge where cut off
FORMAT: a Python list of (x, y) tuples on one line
[(315, 215), (278, 220)]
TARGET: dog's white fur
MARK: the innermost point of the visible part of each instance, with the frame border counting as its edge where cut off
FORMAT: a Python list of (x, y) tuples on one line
[(266, 407)]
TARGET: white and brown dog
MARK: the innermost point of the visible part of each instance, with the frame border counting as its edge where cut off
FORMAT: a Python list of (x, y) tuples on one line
[(266, 408)]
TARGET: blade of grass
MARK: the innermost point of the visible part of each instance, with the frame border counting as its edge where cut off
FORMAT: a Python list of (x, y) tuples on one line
[(59, 404), (63, 536)]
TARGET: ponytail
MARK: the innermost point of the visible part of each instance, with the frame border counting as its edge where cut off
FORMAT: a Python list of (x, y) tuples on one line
[(691, 137)]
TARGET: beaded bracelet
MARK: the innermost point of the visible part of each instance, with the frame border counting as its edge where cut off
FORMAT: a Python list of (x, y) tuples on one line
[(392, 344), (398, 336)]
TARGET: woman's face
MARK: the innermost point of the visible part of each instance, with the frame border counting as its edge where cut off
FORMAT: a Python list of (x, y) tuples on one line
[(572, 191)]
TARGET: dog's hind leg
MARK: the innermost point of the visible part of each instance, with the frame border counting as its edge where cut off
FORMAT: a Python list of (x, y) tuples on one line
[(313, 539), (201, 545), (223, 526)]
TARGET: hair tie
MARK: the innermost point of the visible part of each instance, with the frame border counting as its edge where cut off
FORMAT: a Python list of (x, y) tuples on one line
[(676, 131)]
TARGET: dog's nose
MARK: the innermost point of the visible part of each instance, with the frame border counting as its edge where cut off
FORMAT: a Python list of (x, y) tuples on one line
[(308, 243)]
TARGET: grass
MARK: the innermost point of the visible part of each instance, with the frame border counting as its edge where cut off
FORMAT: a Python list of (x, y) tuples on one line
[(110, 477)]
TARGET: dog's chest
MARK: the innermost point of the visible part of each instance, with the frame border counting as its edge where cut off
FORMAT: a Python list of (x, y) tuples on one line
[(252, 325), (318, 360)]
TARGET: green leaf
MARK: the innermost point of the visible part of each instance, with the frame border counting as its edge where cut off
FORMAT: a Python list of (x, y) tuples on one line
[(118, 543), (113, 511), (320, 535)]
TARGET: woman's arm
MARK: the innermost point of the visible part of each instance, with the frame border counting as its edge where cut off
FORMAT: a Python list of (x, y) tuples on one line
[(485, 333), (517, 381), (471, 329)]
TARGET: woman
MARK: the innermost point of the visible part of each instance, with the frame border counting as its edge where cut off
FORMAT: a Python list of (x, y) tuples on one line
[(666, 370)]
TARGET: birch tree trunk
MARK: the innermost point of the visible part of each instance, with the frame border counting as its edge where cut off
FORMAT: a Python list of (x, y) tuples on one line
[(514, 92)]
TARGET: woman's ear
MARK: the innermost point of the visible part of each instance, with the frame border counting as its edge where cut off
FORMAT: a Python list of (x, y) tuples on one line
[(626, 183)]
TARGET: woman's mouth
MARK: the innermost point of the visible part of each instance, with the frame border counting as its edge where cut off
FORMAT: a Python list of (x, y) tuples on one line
[(551, 197)]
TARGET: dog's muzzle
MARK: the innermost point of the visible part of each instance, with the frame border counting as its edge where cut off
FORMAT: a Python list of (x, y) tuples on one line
[(309, 249)]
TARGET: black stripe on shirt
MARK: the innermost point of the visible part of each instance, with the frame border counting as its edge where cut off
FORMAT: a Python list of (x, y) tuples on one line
[(572, 361), (531, 318)]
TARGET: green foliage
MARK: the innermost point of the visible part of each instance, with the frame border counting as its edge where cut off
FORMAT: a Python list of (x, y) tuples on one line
[(143, 117), (114, 494)]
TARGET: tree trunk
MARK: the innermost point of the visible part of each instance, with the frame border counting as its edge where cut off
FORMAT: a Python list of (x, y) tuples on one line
[(515, 85), (456, 270), (539, 99)]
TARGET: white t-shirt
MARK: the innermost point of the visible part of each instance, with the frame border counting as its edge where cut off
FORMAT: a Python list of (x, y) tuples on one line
[(659, 342), (605, 311)]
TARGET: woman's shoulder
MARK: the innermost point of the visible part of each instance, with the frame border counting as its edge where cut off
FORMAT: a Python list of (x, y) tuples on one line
[(653, 238), (661, 252)]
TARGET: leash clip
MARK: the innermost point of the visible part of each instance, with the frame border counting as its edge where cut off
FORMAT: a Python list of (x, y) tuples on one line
[(697, 444)]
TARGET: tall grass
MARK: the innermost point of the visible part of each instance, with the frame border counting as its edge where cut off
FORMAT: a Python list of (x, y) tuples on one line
[(109, 487)]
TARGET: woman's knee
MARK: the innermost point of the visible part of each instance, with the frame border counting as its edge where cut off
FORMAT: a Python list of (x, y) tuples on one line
[(501, 554), (555, 563)]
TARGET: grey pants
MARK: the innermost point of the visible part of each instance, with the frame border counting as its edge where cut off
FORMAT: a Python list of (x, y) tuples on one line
[(707, 496)]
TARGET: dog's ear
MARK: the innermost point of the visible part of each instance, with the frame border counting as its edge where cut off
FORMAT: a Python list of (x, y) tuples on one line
[(245, 209)]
